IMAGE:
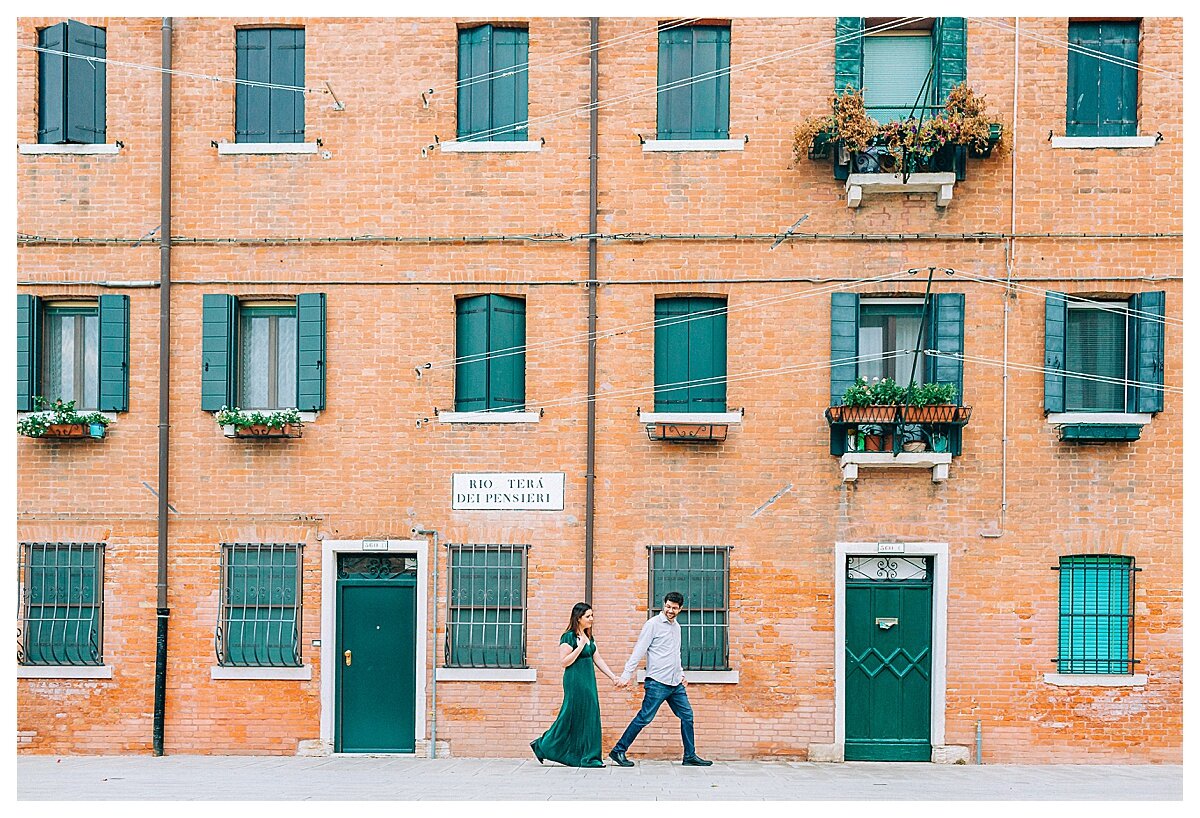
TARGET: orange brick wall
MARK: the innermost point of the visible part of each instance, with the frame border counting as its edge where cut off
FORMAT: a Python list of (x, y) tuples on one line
[(366, 469)]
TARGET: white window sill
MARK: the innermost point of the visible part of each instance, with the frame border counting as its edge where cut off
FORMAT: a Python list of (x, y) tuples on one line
[(938, 461), (70, 150), (703, 677), (64, 671), (692, 145), (263, 148), (860, 184), (305, 417), (1095, 679), (486, 674), (690, 417), (490, 147), (112, 416), (296, 674), (489, 417), (1103, 141), (1124, 418)]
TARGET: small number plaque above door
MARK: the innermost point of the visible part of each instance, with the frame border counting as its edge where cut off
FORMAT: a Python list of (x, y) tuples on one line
[(887, 569)]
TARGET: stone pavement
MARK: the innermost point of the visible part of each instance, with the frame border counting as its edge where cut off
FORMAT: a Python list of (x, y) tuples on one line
[(404, 778)]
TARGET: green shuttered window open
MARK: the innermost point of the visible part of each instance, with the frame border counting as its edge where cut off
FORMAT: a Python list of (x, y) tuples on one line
[(260, 605), (701, 574), (693, 82), (900, 70), (1095, 614), (690, 354), (73, 351), (486, 606), (269, 114), (1102, 78), (71, 90), (493, 84), (490, 350), (62, 604)]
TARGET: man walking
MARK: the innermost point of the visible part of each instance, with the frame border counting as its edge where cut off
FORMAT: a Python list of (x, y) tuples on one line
[(660, 642)]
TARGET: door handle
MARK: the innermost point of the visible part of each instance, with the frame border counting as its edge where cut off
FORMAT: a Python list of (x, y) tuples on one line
[(347, 656)]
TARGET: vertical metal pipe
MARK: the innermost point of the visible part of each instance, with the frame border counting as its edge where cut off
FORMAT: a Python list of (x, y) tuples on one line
[(589, 527), (978, 741), (425, 532), (1009, 254), (164, 382)]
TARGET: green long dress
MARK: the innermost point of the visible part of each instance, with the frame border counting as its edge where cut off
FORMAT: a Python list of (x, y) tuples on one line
[(574, 738)]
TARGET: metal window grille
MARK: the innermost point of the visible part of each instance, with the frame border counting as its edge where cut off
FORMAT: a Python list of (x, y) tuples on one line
[(1095, 614), (485, 618), (701, 574), (261, 610), (62, 604)]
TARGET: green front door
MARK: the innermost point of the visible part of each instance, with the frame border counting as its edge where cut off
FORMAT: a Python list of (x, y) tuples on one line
[(376, 684), (889, 647)]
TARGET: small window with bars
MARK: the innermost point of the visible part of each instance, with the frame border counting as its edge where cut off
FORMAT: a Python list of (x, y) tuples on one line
[(1095, 614), (701, 574), (62, 604), (260, 605), (485, 619)]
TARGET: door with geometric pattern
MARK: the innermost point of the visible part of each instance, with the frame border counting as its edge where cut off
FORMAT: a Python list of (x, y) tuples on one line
[(889, 646)]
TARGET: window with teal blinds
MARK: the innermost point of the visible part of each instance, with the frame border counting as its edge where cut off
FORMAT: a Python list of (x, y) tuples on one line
[(493, 84), (1097, 349), (898, 76), (690, 354), (486, 606), (701, 574), (1102, 78), (693, 82), (1095, 614)]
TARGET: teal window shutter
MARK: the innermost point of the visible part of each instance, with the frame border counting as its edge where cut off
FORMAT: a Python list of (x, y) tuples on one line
[(474, 97), (62, 600), (486, 610), (950, 45), (1149, 313), (471, 351), (114, 353), (1056, 352), (897, 81), (674, 95), (671, 355), (259, 606), (52, 85), (85, 83), (1102, 93), (1095, 614), (843, 344), (946, 321), (287, 68), (273, 56), (506, 345), (310, 352), (218, 352), (29, 350), (848, 53), (493, 76), (690, 354), (690, 109)]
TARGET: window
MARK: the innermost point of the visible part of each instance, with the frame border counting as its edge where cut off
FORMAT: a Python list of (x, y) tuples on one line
[(1095, 614), (490, 345), (71, 90), (260, 605), (493, 83), (693, 82), (1102, 93), (1104, 356), (689, 354), (916, 64), (263, 354), (889, 330), (275, 56), (701, 574), (74, 351), (485, 624), (62, 604)]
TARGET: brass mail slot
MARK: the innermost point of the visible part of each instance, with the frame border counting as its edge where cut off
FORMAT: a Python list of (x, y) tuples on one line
[(885, 622)]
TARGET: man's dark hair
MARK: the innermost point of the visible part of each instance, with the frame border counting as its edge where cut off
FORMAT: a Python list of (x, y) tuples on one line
[(674, 596)]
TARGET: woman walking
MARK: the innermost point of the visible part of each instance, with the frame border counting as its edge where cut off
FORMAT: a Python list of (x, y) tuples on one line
[(574, 738)]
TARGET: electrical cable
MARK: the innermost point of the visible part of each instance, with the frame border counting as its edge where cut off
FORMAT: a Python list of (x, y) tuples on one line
[(1080, 376)]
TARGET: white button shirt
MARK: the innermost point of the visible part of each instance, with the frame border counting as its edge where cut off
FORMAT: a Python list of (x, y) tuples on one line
[(659, 642)]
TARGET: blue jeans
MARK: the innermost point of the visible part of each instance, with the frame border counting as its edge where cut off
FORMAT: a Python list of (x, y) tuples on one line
[(656, 694)]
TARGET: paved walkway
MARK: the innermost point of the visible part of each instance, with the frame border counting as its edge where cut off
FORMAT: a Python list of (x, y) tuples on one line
[(406, 779)]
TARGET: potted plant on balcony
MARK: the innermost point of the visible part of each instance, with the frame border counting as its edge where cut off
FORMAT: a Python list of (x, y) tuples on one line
[(60, 420), (269, 423)]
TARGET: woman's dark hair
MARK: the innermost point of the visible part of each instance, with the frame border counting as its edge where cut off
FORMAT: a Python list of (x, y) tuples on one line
[(576, 614)]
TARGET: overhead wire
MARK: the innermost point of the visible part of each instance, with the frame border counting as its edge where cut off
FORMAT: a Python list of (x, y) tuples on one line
[(1066, 373)]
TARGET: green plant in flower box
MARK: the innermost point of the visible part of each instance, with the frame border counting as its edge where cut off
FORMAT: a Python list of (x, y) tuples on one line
[(270, 418)]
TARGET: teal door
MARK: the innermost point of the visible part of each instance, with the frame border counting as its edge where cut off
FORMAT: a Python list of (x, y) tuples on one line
[(376, 680), (889, 647)]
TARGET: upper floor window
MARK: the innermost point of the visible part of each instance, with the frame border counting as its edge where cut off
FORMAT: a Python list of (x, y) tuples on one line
[(493, 84), (1095, 614), (693, 82), (889, 340), (274, 56), (1102, 78), (690, 354), (71, 355), (62, 603), (267, 359), (490, 350), (73, 351), (903, 69), (71, 90)]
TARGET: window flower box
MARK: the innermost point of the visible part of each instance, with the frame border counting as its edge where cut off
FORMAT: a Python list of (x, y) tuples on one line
[(60, 421), (261, 430), (260, 424)]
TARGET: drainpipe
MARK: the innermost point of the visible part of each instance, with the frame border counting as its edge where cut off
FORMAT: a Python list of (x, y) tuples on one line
[(426, 532), (164, 381), (1008, 265), (589, 528)]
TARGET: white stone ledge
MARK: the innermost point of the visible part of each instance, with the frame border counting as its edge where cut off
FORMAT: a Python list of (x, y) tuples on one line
[(689, 417), (489, 417), (938, 461), (64, 671), (1095, 679), (703, 677), (490, 147), (264, 148), (100, 149), (295, 674), (860, 184), (692, 145), (1093, 142), (486, 674), (1124, 418)]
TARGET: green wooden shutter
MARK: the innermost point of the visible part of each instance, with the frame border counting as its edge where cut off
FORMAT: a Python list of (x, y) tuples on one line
[(1083, 80), (848, 54), (252, 103), (950, 36), (474, 91), (706, 351), (1118, 82), (85, 84), (310, 352), (29, 350), (114, 353), (710, 96), (52, 86), (946, 322), (287, 68), (1056, 352), (843, 344), (471, 348), (674, 69), (671, 358), (506, 367), (218, 352), (510, 85), (1150, 310)]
